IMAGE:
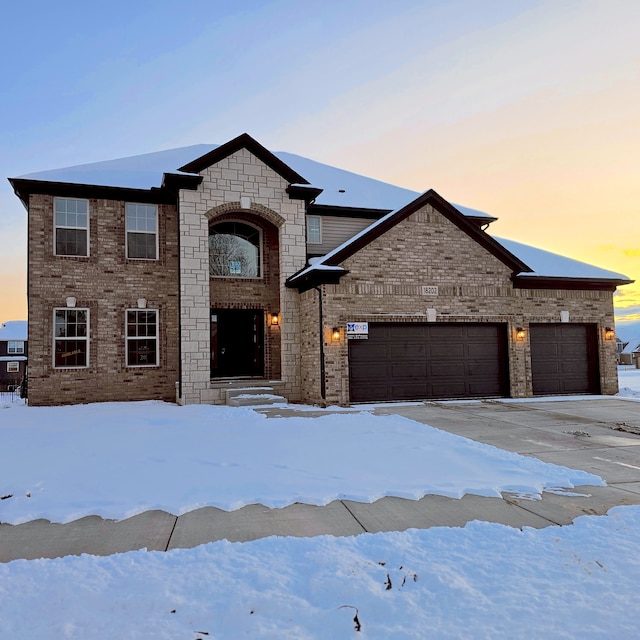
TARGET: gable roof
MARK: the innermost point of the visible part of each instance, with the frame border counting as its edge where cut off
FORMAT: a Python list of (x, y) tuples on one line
[(244, 141), (531, 267), (326, 270)]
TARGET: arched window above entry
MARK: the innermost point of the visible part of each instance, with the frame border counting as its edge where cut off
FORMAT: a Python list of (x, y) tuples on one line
[(234, 250)]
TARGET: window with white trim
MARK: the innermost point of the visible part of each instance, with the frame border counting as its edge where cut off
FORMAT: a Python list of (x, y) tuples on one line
[(314, 230), (142, 231), (15, 347), (142, 337), (70, 338), (13, 367), (71, 222)]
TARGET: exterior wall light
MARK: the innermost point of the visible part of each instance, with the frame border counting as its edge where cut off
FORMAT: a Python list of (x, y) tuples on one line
[(609, 333), (520, 333), (275, 319), (335, 334)]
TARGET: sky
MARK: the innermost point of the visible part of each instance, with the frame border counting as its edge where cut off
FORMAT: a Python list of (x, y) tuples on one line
[(526, 109)]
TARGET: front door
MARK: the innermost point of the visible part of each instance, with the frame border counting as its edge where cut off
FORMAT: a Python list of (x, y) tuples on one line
[(237, 343)]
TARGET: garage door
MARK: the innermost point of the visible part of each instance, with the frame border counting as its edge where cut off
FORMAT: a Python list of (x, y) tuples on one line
[(428, 361), (564, 358)]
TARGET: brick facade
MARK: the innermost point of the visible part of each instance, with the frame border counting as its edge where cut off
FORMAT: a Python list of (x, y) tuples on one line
[(107, 284), (385, 282)]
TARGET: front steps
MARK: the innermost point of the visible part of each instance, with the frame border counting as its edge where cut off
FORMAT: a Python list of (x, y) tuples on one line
[(249, 396)]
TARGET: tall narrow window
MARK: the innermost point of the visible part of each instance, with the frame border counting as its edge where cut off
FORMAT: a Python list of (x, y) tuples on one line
[(314, 230), (71, 338), (71, 219), (15, 346), (142, 337), (142, 231), (234, 250)]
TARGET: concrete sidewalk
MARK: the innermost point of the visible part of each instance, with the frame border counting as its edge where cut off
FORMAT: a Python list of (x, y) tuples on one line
[(592, 434)]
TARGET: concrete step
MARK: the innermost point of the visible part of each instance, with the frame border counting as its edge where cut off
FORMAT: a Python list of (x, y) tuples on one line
[(232, 392), (252, 396), (255, 400)]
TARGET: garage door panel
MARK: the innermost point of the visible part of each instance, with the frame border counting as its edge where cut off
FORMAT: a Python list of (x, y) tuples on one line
[(564, 358), (444, 360), (408, 370), (443, 351)]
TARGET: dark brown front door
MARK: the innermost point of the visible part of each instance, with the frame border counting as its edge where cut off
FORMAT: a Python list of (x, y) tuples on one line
[(421, 361), (237, 340), (564, 358)]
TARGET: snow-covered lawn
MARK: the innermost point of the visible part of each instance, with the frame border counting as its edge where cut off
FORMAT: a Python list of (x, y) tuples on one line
[(481, 581), (119, 459), (629, 382)]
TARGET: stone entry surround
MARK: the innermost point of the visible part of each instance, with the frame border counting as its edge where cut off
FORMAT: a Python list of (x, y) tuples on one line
[(240, 182)]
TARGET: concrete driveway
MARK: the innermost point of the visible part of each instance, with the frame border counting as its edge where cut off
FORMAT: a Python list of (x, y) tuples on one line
[(600, 435)]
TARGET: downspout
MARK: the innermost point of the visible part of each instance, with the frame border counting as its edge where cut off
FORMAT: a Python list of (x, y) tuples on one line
[(323, 389), (179, 299)]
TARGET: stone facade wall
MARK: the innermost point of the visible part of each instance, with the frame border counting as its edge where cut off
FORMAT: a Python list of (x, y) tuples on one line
[(385, 283), (107, 284), (240, 183)]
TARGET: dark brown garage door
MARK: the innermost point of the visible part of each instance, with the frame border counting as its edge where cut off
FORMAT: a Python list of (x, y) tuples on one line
[(428, 361), (564, 358)]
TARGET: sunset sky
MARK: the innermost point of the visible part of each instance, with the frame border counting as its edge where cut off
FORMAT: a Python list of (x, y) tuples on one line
[(526, 109)]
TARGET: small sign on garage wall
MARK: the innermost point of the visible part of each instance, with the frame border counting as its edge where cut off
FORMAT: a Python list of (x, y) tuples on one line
[(357, 330)]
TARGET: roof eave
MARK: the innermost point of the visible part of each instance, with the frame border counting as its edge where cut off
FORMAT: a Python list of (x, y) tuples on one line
[(568, 283), (303, 192), (176, 181), (314, 278), (24, 187)]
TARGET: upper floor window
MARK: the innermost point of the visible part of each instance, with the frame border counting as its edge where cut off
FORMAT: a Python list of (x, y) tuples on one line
[(142, 337), (234, 250), (314, 230), (71, 218), (15, 346), (142, 231), (71, 338)]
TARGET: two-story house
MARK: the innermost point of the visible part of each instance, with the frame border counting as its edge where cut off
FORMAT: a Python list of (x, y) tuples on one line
[(180, 274), (13, 353)]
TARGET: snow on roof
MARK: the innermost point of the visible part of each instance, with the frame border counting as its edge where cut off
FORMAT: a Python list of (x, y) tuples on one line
[(340, 188), (13, 330), (135, 172), (343, 188), (552, 265), (543, 263)]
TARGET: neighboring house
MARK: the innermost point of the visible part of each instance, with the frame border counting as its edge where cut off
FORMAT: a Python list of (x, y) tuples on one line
[(13, 353), (180, 274), (630, 353)]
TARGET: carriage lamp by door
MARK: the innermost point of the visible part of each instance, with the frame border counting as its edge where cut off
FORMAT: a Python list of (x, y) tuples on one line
[(275, 319), (609, 333), (520, 333), (335, 334)]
